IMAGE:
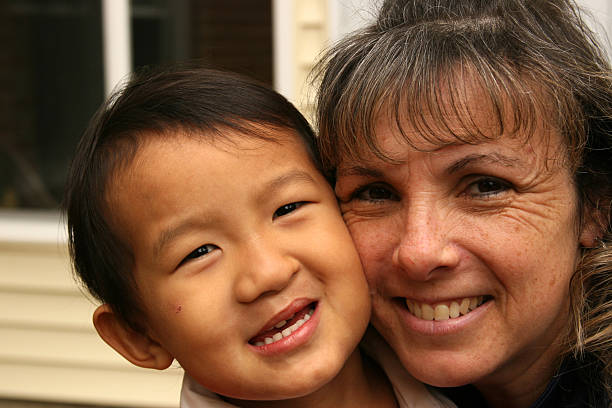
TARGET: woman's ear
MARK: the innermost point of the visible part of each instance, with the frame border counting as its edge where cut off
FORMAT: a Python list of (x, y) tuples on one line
[(138, 348), (590, 233)]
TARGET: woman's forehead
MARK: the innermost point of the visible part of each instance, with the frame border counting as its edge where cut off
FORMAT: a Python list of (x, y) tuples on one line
[(475, 124), (462, 109), (534, 158)]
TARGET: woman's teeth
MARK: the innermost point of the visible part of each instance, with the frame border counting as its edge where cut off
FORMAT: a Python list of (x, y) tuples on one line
[(286, 332), (443, 311)]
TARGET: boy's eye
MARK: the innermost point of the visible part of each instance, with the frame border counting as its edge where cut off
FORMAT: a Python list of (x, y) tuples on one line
[(199, 252), (287, 208)]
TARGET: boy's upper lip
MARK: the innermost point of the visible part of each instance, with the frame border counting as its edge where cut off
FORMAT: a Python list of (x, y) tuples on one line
[(291, 309)]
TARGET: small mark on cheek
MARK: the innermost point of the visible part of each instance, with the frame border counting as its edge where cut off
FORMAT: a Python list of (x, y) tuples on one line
[(178, 309)]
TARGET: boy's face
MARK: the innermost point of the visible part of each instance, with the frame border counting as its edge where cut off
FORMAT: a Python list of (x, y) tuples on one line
[(231, 239)]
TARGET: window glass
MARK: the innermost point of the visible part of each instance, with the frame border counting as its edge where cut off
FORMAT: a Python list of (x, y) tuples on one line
[(51, 77), (226, 34), (52, 73)]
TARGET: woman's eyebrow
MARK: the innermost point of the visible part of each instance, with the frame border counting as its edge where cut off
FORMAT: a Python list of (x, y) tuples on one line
[(358, 171), (490, 158)]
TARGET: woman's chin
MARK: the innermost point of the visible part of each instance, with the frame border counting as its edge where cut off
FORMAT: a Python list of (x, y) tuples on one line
[(440, 371)]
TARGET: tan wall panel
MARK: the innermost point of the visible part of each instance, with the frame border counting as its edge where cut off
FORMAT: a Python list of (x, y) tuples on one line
[(35, 266), (133, 388), (49, 350), (64, 311), (32, 345)]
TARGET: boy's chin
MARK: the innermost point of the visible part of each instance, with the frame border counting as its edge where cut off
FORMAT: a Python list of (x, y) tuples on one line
[(276, 391), (290, 385)]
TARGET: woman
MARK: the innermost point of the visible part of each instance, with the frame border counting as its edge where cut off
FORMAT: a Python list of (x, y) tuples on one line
[(470, 144)]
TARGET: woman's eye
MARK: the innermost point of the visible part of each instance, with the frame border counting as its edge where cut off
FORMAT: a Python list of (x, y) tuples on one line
[(375, 192), (487, 187), (199, 252), (287, 208)]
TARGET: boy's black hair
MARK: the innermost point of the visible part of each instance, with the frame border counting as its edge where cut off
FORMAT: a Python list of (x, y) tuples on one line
[(197, 102)]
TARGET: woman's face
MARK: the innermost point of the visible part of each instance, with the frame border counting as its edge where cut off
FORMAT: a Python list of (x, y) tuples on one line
[(469, 250)]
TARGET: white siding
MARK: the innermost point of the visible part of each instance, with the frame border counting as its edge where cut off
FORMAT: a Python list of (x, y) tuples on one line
[(49, 350), (301, 32)]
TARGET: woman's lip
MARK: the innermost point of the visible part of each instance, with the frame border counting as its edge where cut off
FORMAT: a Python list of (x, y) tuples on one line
[(441, 327), (297, 338)]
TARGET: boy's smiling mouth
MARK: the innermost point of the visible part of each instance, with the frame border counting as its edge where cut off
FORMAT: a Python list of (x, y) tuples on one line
[(284, 327)]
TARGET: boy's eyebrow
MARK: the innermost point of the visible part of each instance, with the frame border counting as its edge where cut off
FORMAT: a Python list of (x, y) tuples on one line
[(286, 178), (270, 187), (172, 232)]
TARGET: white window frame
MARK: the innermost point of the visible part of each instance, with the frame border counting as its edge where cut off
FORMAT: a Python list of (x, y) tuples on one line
[(343, 16), (282, 47), (116, 34)]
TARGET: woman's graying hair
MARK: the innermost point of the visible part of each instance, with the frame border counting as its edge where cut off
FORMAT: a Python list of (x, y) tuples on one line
[(164, 103), (536, 59)]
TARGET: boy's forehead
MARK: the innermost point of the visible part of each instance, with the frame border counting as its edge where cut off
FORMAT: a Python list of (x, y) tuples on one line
[(184, 146), (246, 137), (185, 172)]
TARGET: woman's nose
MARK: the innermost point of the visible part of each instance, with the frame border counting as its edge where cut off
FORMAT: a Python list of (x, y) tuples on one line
[(423, 247), (264, 267)]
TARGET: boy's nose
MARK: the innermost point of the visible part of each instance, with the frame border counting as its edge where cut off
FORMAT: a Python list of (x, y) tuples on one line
[(264, 267)]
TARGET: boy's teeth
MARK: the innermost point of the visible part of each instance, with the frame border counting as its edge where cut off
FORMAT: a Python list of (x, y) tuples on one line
[(287, 331), (281, 323), (444, 311)]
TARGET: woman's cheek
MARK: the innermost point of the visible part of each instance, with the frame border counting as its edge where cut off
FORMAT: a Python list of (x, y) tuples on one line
[(374, 245)]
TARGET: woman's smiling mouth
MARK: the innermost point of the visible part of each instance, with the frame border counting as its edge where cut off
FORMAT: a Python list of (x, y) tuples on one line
[(445, 310)]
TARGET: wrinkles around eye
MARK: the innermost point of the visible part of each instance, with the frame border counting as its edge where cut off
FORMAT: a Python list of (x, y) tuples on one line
[(487, 187), (374, 193)]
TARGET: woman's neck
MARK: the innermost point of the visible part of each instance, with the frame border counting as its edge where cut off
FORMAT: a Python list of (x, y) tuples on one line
[(522, 390), (360, 382)]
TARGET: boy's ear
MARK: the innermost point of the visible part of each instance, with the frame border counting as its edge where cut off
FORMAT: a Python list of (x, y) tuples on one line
[(138, 348)]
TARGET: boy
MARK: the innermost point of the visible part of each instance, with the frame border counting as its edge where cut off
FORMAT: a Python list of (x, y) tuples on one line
[(199, 218)]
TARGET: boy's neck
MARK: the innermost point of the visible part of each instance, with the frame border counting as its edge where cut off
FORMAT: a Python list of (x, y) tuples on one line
[(360, 383)]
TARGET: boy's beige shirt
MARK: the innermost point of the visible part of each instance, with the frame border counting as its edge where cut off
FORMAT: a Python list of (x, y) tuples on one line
[(409, 392)]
